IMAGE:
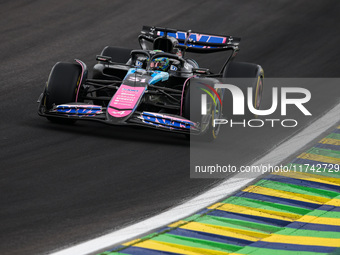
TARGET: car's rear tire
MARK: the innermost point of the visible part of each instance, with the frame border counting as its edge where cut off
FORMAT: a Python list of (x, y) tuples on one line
[(251, 76), (62, 87), (103, 72)]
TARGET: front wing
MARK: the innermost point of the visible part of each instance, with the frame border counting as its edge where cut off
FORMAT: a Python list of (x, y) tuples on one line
[(78, 111)]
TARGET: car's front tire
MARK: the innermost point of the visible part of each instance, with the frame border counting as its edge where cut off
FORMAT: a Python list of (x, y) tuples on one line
[(62, 86), (192, 109)]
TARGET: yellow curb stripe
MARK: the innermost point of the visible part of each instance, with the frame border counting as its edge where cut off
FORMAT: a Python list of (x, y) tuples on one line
[(132, 242), (320, 220), (320, 158), (224, 231), (177, 248), (330, 141), (303, 240), (258, 212)]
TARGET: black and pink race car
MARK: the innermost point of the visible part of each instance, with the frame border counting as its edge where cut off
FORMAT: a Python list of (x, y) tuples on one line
[(156, 86)]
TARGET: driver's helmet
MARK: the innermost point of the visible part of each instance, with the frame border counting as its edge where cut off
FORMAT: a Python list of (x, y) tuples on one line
[(161, 63)]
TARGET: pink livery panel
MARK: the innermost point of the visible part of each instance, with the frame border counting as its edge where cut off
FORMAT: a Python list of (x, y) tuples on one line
[(125, 100)]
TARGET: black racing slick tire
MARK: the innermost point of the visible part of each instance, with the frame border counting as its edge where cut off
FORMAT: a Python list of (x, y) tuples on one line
[(192, 110), (246, 75), (62, 86)]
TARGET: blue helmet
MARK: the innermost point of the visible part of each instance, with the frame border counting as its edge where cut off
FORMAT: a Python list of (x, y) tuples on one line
[(161, 63)]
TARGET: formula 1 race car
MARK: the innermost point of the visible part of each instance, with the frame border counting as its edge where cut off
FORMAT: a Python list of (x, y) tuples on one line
[(155, 86)]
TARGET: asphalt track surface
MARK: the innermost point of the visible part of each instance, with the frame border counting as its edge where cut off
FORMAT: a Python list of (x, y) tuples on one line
[(61, 185)]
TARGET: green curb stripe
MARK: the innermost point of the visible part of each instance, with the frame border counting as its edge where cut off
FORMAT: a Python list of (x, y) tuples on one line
[(195, 242), (325, 214), (266, 205), (193, 217), (296, 189), (221, 223), (113, 253), (308, 233), (249, 224), (324, 152), (334, 136)]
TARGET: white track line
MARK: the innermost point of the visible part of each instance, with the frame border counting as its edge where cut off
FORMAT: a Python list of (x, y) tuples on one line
[(211, 196)]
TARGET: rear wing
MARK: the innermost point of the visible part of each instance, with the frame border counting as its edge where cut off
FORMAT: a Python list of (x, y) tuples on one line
[(191, 41)]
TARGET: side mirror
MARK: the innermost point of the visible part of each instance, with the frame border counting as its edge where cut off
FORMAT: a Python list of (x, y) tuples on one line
[(104, 58)]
